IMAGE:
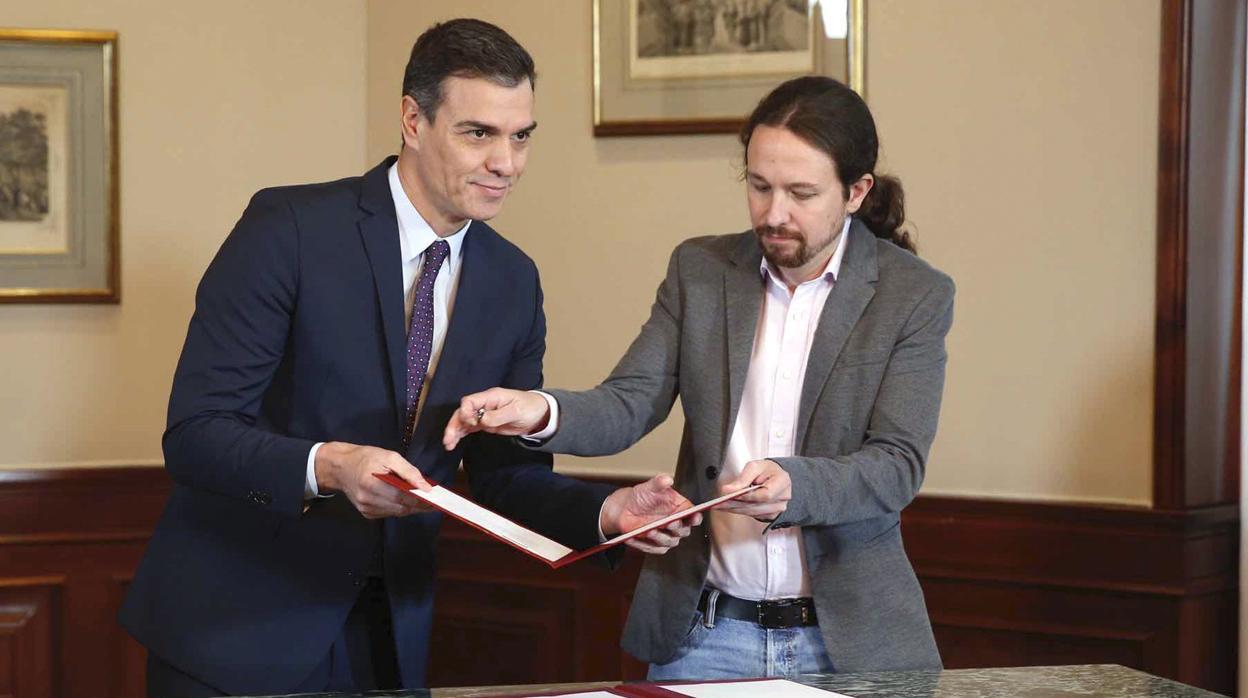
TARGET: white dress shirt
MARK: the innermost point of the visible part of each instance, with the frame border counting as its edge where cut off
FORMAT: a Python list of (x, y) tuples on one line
[(415, 236), (745, 561)]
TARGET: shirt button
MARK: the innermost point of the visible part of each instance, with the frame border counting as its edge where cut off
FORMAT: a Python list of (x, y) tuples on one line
[(779, 433), (787, 374)]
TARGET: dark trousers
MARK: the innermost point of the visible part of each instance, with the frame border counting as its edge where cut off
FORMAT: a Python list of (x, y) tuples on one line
[(362, 657)]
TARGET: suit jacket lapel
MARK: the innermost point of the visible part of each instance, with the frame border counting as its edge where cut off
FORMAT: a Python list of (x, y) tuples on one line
[(854, 288), (743, 299), (379, 230)]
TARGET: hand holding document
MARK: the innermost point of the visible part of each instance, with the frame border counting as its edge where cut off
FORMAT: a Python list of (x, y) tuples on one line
[(535, 544)]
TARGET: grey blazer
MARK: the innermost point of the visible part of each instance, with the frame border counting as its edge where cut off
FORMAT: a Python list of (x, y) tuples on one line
[(868, 413)]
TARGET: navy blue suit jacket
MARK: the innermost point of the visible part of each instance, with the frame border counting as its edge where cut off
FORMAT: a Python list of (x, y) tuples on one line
[(298, 336)]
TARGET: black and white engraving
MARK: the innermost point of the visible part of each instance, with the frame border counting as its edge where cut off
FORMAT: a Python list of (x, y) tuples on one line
[(23, 165), (667, 28)]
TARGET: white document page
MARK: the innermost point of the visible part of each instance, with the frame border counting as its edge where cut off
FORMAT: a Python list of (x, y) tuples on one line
[(773, 688), (509, 531)]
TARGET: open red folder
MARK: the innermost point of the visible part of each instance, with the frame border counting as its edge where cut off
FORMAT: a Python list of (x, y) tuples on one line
[(535, 544)]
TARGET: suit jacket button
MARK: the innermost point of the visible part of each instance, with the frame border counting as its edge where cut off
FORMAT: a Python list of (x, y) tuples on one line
[(711, 472)]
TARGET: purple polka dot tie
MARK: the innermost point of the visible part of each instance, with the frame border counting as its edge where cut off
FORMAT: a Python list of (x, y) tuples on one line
[(420, 332)]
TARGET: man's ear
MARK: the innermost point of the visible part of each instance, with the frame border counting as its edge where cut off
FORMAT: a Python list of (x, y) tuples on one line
[(411, 118), (858, 191)]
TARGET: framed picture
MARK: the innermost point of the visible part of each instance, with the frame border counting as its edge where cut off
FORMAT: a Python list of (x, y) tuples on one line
[(58, 167), (700, 66)]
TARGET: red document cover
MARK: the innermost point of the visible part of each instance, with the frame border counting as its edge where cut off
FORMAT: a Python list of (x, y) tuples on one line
[(530, 542)]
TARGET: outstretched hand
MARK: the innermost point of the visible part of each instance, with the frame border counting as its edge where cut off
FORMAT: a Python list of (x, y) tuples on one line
[(497, 411), (631, 507)]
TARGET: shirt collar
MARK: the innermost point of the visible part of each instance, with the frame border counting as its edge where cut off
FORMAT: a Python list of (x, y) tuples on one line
[(830, 272), (415, 234)]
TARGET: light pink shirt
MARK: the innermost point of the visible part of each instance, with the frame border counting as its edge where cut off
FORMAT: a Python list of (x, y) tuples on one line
[(745, 562)]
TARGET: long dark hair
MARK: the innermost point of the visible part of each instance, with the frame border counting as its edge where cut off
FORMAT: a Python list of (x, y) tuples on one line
[(833, 118)]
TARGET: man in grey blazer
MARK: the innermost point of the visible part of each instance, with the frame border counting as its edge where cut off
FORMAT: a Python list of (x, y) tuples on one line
[(809, 356)]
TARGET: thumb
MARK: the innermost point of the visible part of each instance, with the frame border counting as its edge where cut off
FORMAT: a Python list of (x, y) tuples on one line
[(409, 473), (745, 479), (658, 483)]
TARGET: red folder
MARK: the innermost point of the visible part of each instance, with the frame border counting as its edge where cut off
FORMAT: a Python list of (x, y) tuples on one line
[(573, 556)]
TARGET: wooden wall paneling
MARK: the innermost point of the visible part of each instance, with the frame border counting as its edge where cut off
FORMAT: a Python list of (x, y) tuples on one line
[(1169, 386), (86, 528), (1007, 583), (479, 578), (127, 659), (1199, 254), (30, 615)]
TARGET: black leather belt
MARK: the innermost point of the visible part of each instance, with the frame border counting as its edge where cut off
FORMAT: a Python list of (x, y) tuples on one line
[(780, 613)]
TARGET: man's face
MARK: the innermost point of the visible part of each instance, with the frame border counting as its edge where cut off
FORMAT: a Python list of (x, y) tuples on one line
[(797, 202), (467, 160)]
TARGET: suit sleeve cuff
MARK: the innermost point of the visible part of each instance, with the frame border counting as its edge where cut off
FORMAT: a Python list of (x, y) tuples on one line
[(310, 490), (551, 426)]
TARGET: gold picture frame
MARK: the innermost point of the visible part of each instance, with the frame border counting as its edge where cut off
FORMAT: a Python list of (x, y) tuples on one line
[(700, 66), (59, 193)]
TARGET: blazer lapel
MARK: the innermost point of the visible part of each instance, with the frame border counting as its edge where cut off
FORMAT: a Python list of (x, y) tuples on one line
[(854, 288), (743, 299), (379, 230)]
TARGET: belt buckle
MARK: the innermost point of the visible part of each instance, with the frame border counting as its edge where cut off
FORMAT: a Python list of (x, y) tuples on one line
[(774, 615)]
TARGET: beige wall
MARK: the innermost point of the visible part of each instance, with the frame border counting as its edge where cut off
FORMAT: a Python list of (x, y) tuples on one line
[(216, 100), (1026, 135)]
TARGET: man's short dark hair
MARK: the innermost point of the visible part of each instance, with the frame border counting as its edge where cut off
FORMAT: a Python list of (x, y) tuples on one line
[(463, 48)]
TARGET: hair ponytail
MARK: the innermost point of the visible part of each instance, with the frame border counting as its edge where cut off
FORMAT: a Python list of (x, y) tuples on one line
[(884, 211)]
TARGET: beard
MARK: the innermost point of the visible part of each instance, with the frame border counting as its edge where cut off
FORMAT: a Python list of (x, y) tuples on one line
[(785, 257)]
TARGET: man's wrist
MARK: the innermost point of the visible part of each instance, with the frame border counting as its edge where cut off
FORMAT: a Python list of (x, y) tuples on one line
[(547, 427), (327, 466), (608, 515)]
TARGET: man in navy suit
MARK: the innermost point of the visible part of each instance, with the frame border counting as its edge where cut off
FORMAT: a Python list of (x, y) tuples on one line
[(333, 336)]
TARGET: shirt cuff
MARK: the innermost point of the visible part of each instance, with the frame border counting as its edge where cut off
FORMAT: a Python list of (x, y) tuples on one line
[(602, 537), (551, 426), (310, 490)]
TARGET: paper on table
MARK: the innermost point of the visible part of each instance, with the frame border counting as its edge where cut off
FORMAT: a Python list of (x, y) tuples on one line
[(588, 694), (774, 688)]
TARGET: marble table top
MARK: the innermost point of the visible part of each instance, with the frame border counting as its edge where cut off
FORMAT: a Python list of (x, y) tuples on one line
[(1021, 682)]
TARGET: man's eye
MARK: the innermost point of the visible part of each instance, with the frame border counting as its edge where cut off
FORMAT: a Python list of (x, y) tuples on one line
[(479, 133), (803, 195), (761, 188), (523, 136)]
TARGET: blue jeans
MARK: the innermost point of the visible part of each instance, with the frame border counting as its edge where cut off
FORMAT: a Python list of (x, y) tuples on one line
[(736, 649)]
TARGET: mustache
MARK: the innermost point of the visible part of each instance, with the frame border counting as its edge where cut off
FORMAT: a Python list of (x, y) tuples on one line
[(781, 231)]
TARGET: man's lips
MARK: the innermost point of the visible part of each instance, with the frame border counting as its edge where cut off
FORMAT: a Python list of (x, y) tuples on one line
[(777, 236), (492, 188)]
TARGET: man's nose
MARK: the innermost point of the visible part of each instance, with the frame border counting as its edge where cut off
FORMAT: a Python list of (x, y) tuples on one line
[(777, 211), (502, 160)]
